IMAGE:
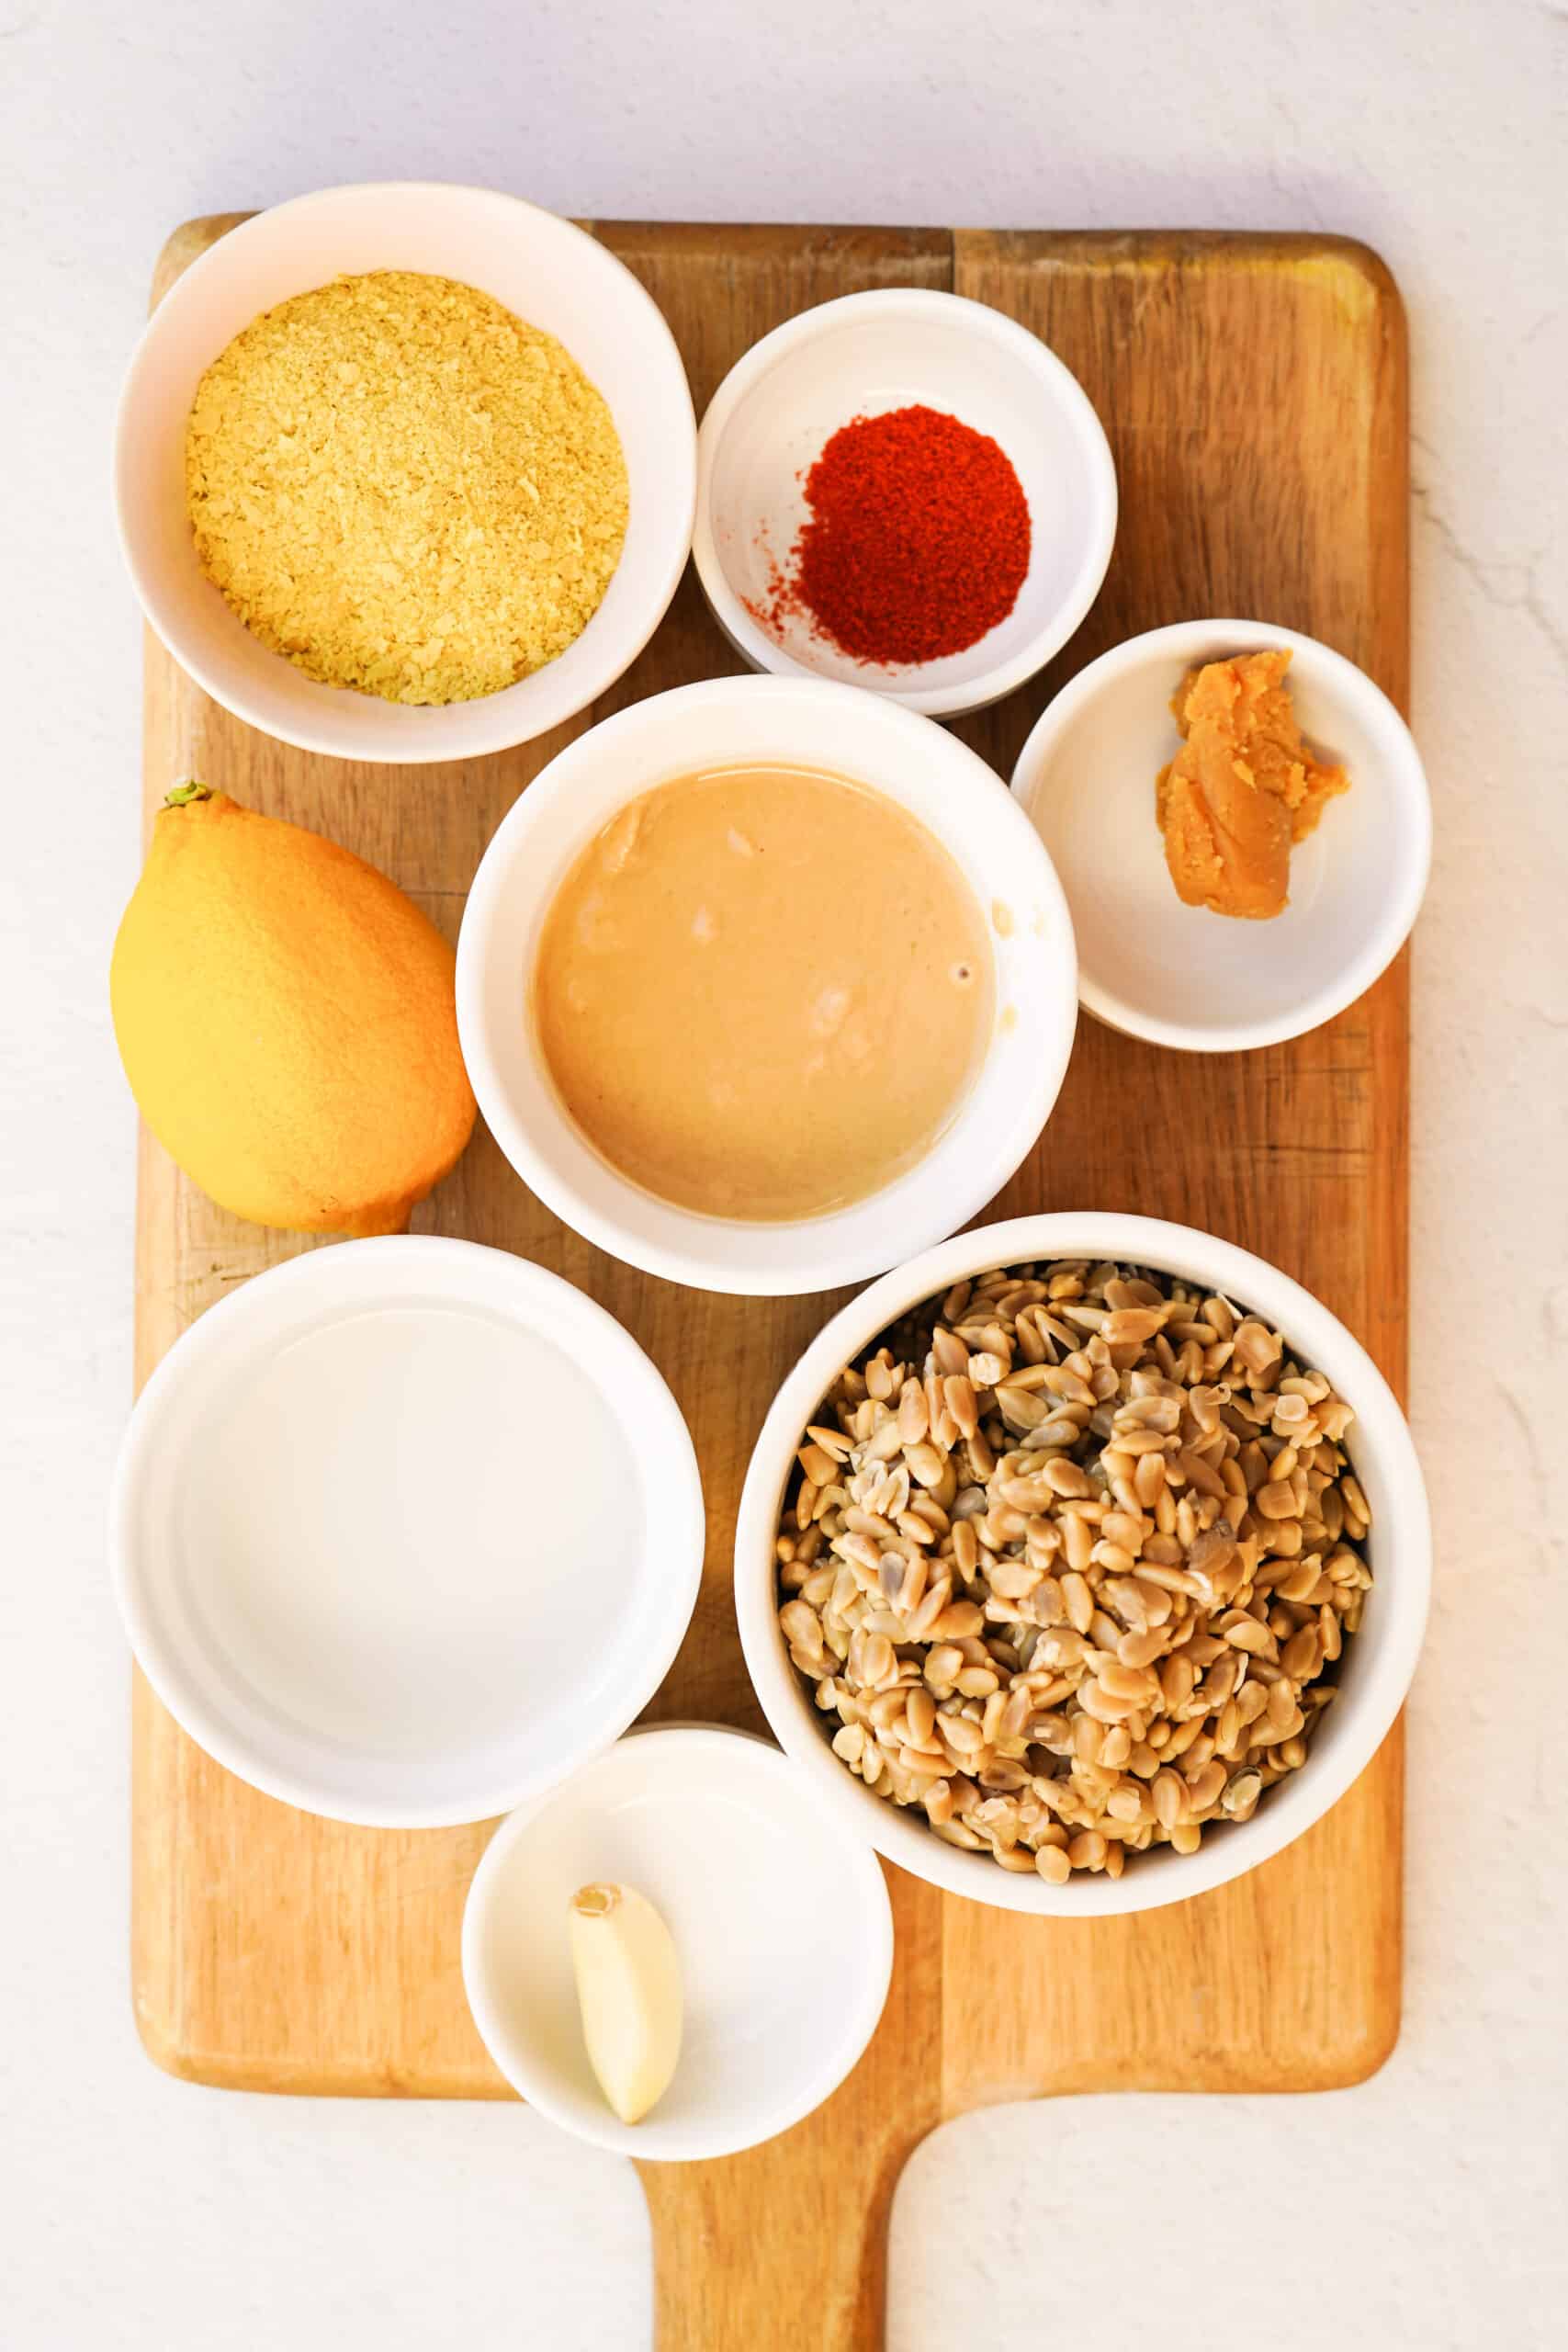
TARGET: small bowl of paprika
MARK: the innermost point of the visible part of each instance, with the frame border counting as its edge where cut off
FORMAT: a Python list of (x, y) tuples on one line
[(904, 491)]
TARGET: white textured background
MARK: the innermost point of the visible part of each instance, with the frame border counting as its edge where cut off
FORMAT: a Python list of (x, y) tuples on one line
[(1425, 2209)]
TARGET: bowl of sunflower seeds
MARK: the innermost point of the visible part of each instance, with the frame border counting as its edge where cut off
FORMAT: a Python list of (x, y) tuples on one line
[(1084, 1563)]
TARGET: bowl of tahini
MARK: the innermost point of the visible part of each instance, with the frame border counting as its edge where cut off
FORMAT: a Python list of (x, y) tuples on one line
[(764, 984)]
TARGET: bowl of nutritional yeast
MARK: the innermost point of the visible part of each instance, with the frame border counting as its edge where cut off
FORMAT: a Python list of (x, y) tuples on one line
[(406, 472)]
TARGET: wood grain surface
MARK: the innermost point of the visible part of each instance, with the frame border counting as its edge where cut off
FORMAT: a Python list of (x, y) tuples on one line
[(1254, 390)]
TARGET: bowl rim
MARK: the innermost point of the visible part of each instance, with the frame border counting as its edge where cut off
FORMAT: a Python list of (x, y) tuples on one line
[(1320, 1337), (757, 647), (679, 1543), (787, 1274), (872, 1944), (325, 740), (1407, 779)]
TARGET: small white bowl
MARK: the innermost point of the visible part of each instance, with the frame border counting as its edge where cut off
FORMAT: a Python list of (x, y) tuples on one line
[(404, 1530), (861, 356), (1178, 975), (798, 722), (550, 274), (780, 1918), (1379, 1661)]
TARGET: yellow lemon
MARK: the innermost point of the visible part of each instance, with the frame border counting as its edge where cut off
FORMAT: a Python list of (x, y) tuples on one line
[(287, 1020)]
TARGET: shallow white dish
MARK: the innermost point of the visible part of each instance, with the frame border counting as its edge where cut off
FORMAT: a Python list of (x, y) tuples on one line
[(1379, 1661), (862, 354), (780, 1918), (1178, 975), (798, 722), (405, 1529), (549, 273)]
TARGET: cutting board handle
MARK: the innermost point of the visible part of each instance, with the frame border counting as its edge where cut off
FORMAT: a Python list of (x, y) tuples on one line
[(779, 2249), (786, 2248)]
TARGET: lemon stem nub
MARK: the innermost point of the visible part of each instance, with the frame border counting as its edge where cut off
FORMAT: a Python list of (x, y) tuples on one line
[(184, 794)]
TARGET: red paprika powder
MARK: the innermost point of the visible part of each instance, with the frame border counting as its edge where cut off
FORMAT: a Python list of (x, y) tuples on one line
[(915, 542)]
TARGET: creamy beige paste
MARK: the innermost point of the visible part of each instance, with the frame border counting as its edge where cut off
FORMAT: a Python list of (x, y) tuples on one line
[(762, 992)]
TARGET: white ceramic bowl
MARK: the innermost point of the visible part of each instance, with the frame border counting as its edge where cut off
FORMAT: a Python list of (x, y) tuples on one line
[(1379, 1661), (404, 1530), (801, 723), (780, 1918), (549, 273), (1177, 975), (864, 353)]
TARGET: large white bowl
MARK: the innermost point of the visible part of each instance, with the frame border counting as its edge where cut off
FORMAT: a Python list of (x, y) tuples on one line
[(549, 273), (780, 1918), (1379, 1660), (866, 353), (1178, 975), (404, 1530), (729, 722)]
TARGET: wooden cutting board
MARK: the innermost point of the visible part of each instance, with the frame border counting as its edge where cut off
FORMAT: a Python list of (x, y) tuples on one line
[(1254, 390)]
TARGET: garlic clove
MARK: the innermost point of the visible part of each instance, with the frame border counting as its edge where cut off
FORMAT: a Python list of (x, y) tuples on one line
[(628, 1989)]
